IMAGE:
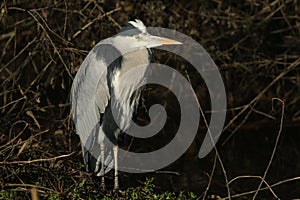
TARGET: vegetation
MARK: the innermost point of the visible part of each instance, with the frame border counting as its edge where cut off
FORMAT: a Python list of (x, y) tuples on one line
[(256, 46)]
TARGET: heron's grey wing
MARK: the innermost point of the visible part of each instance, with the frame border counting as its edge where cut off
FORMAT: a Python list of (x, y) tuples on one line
[(89, 98)]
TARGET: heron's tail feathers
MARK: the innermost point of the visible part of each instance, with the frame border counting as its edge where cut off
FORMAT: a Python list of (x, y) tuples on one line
[(92, 154)]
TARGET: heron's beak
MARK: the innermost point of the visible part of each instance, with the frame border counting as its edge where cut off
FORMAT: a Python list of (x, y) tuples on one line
[(162, 41)]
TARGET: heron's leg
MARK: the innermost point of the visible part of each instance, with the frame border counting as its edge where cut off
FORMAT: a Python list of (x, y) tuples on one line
[(116, 180), (102, 166)]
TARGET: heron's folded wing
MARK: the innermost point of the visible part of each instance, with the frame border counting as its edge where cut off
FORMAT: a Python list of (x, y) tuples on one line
[(90, 95), (85, 111)]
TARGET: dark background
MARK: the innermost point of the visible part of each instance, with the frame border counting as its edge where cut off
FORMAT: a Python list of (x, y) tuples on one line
[(255, 44)]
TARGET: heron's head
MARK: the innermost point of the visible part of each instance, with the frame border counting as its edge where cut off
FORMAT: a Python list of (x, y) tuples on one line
[(135, 36)]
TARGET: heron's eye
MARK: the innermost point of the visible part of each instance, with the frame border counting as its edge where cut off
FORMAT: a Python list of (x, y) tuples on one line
[(140, 36)]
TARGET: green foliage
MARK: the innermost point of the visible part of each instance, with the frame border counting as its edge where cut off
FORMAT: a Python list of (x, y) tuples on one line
[(78, 189), (8, 194), (54, 196), (147, 191)]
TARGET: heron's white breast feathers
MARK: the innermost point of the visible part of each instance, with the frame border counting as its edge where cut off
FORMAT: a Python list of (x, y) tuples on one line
[(125, 83)]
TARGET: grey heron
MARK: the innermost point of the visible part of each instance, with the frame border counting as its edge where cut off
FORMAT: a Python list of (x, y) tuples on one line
[(94, 85)]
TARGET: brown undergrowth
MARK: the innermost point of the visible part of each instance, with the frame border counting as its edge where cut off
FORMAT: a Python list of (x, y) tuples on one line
[(256, 45)]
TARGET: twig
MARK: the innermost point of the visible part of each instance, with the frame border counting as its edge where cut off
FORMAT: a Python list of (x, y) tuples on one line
[(28, 185), (262, 189), (7, 35), (282, 74), (12, 102), (34, 194), (109, 17), (210, 178), (256, 177), (93, 21), (35, 161), (20, 53), (212, 140), (275, 147), (49, 29), (239, 125), (167, 172), (16, 137), (262, 113), (52, 43)]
